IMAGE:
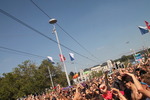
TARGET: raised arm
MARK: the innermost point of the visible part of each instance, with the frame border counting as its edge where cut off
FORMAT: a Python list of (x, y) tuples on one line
[(139, 86), (118, 94)]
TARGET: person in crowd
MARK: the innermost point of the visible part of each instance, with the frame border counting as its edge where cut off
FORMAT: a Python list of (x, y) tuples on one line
[(129, 83)]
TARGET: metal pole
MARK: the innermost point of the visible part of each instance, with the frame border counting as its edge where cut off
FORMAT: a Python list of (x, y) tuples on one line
[(50, 76), (133, 53), (54, 30)]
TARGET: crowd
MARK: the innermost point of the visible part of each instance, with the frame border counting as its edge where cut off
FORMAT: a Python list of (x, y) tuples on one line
[(129, 83)]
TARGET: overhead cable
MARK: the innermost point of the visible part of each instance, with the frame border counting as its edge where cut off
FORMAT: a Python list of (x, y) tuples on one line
[(23, 23), (22, 52), (64, 30)]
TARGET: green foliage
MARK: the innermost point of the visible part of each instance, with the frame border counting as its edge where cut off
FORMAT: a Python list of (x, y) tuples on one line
[(7, 87), (123, 58), (58, 75), (28, 78), (71, 74), (96, 74)]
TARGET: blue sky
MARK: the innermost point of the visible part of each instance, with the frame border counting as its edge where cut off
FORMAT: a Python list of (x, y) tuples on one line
[(102, 26)]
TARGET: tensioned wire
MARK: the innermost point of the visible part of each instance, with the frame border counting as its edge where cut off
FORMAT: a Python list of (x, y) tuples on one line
[(42, 34)]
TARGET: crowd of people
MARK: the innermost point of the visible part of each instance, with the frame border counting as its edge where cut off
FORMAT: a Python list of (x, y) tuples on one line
[(129, 83)]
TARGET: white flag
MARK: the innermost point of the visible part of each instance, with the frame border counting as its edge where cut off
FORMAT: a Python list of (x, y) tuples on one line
[(50, 59), (71, 56)]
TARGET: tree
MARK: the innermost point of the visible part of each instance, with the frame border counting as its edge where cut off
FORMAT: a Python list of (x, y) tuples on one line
[(28, 78), (58, 75), (71, 77), (71, 74), (24, 80), (96, 74), (8, 88)]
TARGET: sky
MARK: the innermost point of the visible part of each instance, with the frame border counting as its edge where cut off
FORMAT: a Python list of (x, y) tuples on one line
[(106, 29)]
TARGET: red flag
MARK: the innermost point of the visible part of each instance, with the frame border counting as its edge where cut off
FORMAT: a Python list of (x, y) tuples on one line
[(62, 58), (147, 25)]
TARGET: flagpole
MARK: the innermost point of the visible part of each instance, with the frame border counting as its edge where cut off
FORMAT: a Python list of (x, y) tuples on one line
[(53, 21), (50, 77), (133, 53), (76, 69), (144, 45), (72, 59), (144, 30), (148, 46)]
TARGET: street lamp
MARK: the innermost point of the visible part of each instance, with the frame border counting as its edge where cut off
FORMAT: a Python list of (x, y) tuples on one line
[(53, 21)]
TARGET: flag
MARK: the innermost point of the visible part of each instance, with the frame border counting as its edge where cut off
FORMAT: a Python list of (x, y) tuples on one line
[(62, 58), (75, 76), (147, 25), (71, 56), (50, 59), (143, 30)]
